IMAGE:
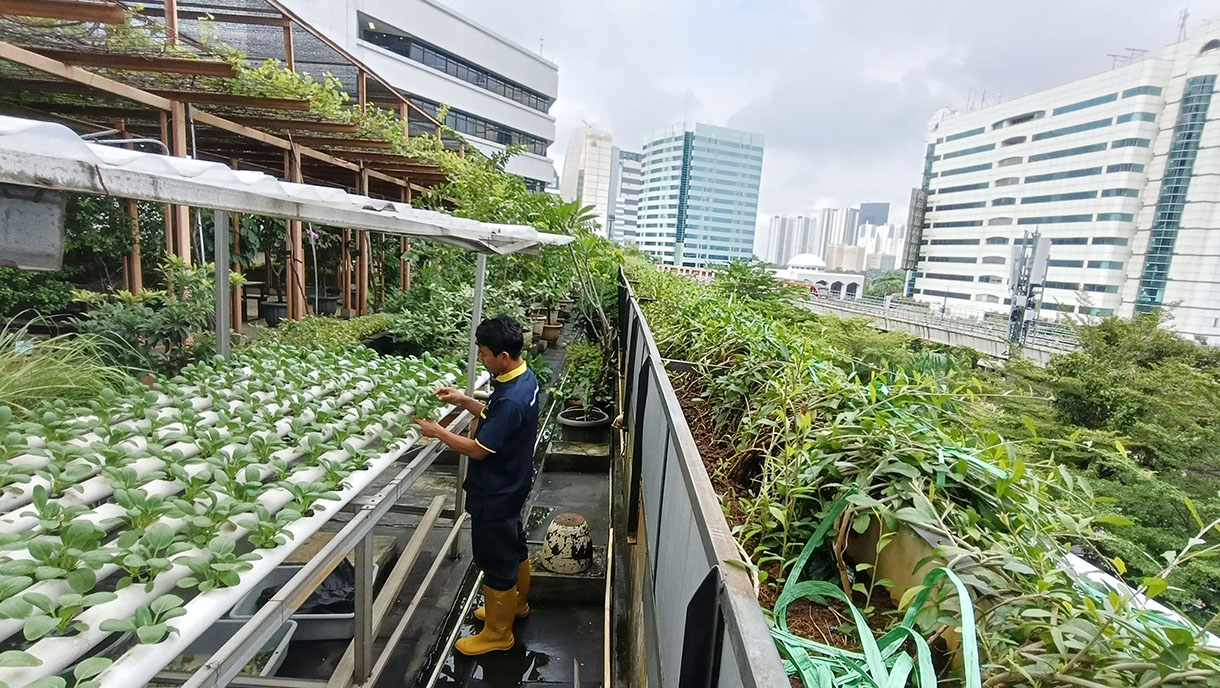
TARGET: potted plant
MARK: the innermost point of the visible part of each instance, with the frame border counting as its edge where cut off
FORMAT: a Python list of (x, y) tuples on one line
[(584, 419), (552, 290)]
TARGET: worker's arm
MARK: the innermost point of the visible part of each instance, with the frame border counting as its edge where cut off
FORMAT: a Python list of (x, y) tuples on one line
[(459, 443), (452, 395)]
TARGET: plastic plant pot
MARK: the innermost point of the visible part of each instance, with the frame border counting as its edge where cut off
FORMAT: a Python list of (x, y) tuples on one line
[(581, 424), (273, 312)]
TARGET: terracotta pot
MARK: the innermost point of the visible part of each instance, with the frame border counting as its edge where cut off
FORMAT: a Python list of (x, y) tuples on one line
[(550, 332), (568, 546)]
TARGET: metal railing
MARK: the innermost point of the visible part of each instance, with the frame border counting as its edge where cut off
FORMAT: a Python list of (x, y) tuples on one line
[(696, 619)]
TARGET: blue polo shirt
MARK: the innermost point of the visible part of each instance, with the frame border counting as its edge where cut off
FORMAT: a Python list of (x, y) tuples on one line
[(498, 486)]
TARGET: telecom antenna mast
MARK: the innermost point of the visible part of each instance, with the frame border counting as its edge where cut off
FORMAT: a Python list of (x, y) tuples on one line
[(1029, 261)]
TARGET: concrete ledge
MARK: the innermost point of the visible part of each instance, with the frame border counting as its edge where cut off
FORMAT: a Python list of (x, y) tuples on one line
[(578, 457), (590, 586)]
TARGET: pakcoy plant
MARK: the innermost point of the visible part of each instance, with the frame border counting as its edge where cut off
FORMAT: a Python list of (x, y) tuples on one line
[(144, 555)]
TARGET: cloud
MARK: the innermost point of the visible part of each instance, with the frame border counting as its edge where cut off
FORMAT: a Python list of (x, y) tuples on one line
[(842, 90)]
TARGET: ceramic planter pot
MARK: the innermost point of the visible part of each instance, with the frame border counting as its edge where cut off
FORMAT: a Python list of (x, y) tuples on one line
[(567, 547), (273, 312), (583, 425), (550, 332), (537, 322)]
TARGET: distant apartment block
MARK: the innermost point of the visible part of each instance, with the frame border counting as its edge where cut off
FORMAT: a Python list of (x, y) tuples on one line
[(1120, 171), (626, 186), (587, 169)]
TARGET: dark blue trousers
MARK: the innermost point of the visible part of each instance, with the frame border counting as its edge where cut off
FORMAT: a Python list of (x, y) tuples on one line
[(499, 547)]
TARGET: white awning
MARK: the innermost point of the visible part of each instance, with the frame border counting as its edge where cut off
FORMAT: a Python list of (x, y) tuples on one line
[(52, 156)]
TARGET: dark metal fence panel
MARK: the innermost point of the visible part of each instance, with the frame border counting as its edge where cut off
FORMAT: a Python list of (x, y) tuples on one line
[(684, 533)]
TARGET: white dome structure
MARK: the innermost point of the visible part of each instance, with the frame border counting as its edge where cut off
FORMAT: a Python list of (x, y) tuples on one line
[(806, 261)]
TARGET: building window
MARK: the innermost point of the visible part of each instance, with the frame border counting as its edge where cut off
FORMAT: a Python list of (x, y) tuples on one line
[(1063, 307), (1142, 91), (474, 126), (1068, 286), (1091, 102), (997, 241), (956, 242), (1136, 117), (1058, 263), (966, 170), (1106, 264), (964, 187), (1053, 219), (1070, 241), (999, 221), (946, 294), (1069, 174), (1050, 198), (964, 134), (994, 260), (442, 61), (1115, 217), (1102, 288), (1074, 129), (961, 206), (1012, 141), (1125, 193), (946, 276), (1125, 167), (1127, 143), (1109, 241), (1007, 200), (1016, 160), (1008, 181), (1078, 150), (958, 223), (968, 151), (991, 279)]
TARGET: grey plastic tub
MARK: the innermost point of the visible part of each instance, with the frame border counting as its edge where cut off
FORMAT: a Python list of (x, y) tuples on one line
[(220, 632), (309, 626)]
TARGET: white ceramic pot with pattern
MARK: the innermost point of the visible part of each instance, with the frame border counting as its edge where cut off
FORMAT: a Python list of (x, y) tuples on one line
[(568, 547)]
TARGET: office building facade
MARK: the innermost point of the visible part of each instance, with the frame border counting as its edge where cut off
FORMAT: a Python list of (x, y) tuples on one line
[(498, 93), (874, 213), (700, 198), (1120, 172), (626, 185), (586, 173)]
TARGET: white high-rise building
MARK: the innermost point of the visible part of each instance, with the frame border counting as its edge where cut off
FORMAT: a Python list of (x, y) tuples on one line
[(498, 92), (1120, 171), (839, 226), (586, 173), (791, 235), (626, 185), (700, 199), (882, 240)]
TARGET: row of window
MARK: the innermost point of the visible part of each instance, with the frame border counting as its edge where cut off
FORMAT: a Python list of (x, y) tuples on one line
[(1003, 241), (476, 126), (1054, 263), (416, 51)]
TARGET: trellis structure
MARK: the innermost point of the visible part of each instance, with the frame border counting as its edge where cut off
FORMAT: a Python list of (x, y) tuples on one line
[(59, 61)]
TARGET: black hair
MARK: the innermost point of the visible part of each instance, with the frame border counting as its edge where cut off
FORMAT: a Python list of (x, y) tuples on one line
[(500, 334)]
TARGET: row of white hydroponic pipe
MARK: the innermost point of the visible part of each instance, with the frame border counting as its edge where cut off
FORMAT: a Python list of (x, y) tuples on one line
[(129, 527)]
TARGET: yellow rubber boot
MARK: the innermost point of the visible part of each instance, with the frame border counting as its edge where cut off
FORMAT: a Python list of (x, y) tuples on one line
[(523, 592), (497, 633)]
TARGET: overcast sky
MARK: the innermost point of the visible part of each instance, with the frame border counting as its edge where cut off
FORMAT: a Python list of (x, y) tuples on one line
[(841, 89)]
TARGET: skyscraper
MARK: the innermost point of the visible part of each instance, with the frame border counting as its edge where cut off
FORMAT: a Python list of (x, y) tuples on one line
[(700, 199), (791, 235), (874, 213), (586, 173), (626, 183), (1115, 170), (839, 226)]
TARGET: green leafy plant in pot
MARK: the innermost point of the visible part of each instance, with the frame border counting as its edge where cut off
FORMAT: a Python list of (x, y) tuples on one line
[(586, 392)]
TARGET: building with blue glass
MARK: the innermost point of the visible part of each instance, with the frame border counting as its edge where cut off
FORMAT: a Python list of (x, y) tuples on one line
[(699, 201), (1120, 171)]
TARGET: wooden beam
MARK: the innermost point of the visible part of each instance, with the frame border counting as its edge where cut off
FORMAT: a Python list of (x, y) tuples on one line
[(290, 57), (12, 53), (296, 246), (362, 90), (180, 213), (295, 124), (326, 141), (75, 10), (171, 21), (362, 257), (141, 63), (234, 100), (220, 17)]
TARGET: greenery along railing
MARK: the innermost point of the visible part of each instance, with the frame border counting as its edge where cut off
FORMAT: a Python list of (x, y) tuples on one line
[(818, 410)]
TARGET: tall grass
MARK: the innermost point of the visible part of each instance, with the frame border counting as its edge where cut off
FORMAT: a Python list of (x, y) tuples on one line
[(71, 367)]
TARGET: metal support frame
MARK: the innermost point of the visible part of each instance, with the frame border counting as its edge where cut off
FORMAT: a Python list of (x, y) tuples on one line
[(224, 300), (365, 633), (228, 661), (472, 367)]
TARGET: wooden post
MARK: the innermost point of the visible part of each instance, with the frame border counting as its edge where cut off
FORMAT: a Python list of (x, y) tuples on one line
[(295, 247), (133, 273), (181, 223), (362, 89), (404, 247), (381, 271), (345, 270), (171, 22), (362, 257), (169, 209), (289, 52), (404, 113)]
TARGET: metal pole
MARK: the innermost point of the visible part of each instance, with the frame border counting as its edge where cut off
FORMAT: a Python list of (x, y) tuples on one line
[(220, 244), (365, 634), (472, 367)]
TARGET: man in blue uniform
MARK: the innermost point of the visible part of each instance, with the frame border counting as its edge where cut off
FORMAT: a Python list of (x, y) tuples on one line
[(498, 480)]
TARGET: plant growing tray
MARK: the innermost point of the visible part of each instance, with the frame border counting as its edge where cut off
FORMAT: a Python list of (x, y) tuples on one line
[(309, 626)]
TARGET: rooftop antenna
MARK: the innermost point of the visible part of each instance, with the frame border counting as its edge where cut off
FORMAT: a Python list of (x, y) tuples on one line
[(1182, 17), (540, 47)]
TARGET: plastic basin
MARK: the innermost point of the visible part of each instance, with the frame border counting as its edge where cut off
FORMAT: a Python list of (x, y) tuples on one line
[(309, 626)]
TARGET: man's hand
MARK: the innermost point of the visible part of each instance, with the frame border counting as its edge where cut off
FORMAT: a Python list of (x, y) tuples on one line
[(450, 395), (429, 427)]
